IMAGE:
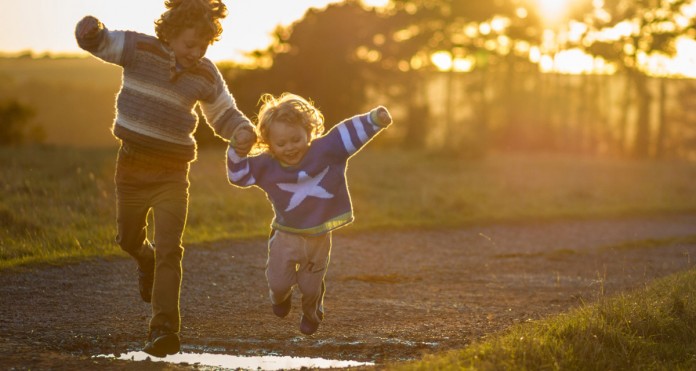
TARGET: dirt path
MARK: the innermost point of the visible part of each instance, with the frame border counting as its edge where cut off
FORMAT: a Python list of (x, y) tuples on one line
[(390, 296)]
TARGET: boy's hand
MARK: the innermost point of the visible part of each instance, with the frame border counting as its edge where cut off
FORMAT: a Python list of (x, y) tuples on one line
[(88, 27), (243, 141)]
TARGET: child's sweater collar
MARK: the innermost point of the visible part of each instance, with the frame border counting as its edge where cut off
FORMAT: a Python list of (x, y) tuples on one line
[(175, 69)]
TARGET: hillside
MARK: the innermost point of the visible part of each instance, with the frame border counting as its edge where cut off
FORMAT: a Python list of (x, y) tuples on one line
[(73, 97)]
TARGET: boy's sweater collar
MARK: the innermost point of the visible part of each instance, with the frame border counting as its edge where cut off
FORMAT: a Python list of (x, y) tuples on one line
[(175, 69)]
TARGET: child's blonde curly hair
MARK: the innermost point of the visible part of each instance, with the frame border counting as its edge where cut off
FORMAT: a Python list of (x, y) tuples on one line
[(292, 109), (203, 15)]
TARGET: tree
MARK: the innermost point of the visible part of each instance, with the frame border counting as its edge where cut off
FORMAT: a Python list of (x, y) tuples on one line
[(465, 31), (645, 28), (316, 57)]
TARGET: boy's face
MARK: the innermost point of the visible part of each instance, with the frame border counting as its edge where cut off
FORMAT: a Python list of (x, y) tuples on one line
[(188, 47), (287, 142)]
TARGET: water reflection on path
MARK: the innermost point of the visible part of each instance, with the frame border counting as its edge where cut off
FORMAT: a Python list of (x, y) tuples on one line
[(240, 362)]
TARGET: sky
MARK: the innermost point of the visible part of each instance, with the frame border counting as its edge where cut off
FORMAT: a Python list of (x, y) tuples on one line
[(48, 25)]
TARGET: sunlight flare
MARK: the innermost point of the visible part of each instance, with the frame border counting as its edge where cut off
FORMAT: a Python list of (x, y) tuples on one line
[(376, 3), (553, 11)]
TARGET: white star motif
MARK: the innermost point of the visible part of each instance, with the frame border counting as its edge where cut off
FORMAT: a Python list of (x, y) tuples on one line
[(305, 186)]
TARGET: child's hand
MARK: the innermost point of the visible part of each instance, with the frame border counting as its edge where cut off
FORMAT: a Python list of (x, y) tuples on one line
[(88, 27), (243, 141), (381, 116)]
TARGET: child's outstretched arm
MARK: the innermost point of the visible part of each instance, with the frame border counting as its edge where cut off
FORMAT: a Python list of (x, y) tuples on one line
[(349, 136), (222, 114), (92, 36)]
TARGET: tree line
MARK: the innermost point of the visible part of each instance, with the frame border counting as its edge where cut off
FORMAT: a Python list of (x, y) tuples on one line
[(492, 94), (492, 87)]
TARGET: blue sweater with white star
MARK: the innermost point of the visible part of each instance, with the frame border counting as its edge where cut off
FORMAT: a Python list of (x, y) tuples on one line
[(310, 198)]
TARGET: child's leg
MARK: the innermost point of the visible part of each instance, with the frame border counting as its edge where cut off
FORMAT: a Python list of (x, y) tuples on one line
[(310, 276), (131, 218), (284, 254), (134, 202), (170, 211)]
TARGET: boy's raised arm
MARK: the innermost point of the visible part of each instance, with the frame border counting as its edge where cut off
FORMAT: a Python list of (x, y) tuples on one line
[(94, 37)]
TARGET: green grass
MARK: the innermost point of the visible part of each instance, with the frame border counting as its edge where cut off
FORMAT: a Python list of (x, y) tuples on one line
[(649, 329), (58, 203)]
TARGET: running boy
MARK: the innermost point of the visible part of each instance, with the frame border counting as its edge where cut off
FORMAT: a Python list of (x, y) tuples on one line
[(304, 177), (164, 77)]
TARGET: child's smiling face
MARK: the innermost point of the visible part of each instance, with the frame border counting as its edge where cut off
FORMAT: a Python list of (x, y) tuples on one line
[(188, 47), (287, 142)]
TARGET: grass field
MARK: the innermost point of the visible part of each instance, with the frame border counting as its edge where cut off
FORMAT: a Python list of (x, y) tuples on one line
[(649, 329), (59, 203)]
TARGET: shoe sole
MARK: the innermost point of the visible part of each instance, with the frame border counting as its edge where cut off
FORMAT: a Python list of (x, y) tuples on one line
[(163, 346)]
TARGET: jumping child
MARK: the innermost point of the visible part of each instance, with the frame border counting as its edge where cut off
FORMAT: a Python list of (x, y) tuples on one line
[(164, 77), (304, 177)]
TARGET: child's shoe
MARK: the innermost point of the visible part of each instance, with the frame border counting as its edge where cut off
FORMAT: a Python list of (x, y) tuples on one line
[(281, 310), (307, 326), (162, 342)]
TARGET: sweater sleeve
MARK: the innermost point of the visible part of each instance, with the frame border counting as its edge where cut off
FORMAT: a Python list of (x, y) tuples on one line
[(349, 136), (109, 46), (239, 169), (220, 109)]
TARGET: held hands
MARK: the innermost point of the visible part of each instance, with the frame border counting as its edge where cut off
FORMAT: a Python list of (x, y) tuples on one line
[(243, 140), (88, 27)]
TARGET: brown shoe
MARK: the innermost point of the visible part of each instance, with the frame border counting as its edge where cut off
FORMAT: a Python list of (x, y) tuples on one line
[(161, 343), (307, 326), (281, 310)]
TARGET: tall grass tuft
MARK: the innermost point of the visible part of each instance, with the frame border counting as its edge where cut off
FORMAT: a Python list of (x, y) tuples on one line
[(650, 329)]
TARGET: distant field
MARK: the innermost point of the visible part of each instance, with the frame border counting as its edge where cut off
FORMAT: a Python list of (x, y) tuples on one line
[(73, 98), (59, 202)]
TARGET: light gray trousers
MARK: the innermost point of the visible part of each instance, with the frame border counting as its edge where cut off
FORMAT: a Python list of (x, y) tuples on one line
[(299, 260)]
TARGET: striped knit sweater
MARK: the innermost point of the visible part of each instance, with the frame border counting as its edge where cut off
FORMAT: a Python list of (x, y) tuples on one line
[(155, 119), (310, 198)]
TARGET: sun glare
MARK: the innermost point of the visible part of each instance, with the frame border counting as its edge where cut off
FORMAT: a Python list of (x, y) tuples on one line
[(553, 11), (376, 3), (444, 61)]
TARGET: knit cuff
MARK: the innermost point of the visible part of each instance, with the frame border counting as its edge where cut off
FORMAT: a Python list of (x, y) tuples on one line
[(380, 117)]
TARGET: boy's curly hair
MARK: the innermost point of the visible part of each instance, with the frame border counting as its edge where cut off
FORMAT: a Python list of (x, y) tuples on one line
[(203, 15), (292, 109)]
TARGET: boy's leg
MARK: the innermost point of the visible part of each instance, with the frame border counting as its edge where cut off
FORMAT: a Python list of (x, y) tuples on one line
[(170, 210), (170, 206), (283, 257), (132, 208), (310, 279)]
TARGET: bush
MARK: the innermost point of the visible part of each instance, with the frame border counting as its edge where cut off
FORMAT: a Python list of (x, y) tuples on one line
[(15, 127)]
